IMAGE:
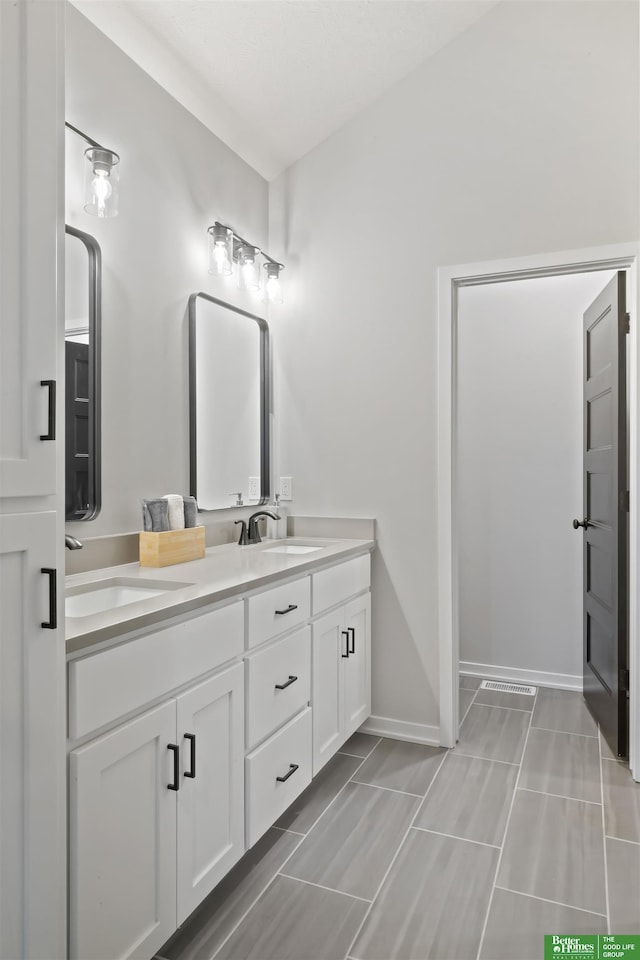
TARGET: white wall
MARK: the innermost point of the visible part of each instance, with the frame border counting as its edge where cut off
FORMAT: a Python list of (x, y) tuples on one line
[(176, 178), (520, 136), (519, 471)]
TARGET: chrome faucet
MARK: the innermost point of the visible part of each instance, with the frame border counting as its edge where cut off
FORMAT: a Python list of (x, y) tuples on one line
[(71, 543), (253, 534)]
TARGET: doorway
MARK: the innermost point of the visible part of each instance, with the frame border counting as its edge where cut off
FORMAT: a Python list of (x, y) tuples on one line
[(452, 282)]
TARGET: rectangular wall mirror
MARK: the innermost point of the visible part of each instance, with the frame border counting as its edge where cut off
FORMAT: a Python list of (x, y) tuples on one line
[(228, 404), (82, 349)]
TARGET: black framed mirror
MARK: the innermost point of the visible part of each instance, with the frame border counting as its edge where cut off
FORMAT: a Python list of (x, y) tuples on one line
[(82, 345), (228, 404)]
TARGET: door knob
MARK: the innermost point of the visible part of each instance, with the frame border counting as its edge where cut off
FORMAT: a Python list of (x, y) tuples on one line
[(580, 523)]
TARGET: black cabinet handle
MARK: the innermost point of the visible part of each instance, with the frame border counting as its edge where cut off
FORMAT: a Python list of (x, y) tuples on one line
[(352, 631), (176, 766), (292, 606), (52, 622), (51, 421), (287, 683), (191, 774), (292, 769), (345, 633)]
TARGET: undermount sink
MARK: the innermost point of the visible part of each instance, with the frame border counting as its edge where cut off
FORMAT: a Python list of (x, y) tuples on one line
[(103, 595), (296, 546)]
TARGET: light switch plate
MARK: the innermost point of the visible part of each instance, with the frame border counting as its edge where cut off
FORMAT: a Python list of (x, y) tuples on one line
[(254, 488), (286, 488)]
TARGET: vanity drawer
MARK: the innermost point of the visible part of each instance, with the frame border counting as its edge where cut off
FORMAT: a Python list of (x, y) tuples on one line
[(112, 683), (338, 583), (277, 610), (268, 797), (278, 684)]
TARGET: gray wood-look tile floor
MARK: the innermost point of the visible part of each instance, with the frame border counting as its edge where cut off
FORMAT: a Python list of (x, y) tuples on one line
[(399, 851)]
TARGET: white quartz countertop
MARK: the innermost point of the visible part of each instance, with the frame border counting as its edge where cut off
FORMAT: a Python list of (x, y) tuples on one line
[(225, 572)]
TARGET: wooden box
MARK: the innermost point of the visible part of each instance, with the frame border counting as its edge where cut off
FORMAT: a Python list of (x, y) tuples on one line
[(171, 546)]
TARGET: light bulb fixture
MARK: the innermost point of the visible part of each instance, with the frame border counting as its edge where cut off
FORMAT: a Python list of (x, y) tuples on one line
[(101, 177), (227, 248), (248, 267), (220, 250), (273, 287)]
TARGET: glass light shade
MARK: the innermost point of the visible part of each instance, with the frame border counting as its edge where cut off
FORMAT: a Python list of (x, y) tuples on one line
[(273, 284), (101, 174), (248, 267), (220, 250)]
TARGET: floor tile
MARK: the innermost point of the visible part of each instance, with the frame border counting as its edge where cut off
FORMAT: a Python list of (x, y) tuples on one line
[(623, 870), (554, 849), (296, 921), (469, 683), (493, 733), (563, 710), (424, 910), (470, 798), (352, 845), (359, 745), (465, 698), (498, 698), (215, 918), (621, 802), (305, 810), (605, 750), (562, 763), (399, 765), (517, 924)]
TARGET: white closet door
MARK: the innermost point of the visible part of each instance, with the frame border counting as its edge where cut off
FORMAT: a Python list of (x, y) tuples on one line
[(31, 225)]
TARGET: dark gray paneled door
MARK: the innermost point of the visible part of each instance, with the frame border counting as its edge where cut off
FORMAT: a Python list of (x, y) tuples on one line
[(606, 676)]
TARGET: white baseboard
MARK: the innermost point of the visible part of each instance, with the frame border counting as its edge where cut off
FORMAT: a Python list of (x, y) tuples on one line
[(536, 678), (401, 730)]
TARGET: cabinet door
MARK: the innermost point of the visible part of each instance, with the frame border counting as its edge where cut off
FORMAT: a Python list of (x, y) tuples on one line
[(31, 200), (123, 840), (32, 813), (357, 667), (329, 646), (211, 803)]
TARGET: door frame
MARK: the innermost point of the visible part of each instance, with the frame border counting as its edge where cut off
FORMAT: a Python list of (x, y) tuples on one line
[(624, 256)]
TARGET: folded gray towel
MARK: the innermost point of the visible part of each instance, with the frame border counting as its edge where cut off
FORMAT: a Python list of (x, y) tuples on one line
[(190, 512), (155, 515)]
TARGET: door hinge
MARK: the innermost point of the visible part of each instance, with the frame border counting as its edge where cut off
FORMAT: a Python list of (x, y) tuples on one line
[(627, 323), (623, 679), (626, 501)]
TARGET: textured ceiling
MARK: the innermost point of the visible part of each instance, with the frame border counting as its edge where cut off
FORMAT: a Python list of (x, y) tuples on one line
[(273, 78)]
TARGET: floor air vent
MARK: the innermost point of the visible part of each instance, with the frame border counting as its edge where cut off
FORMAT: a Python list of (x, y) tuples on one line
[(507, 687)]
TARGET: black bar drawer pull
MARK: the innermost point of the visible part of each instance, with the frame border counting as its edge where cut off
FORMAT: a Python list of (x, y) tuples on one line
[(292, 606), (287, 683), (52, 622), (176, 766), (345, 633), (352, 631), (51, 424), (292, 769), (191, 774)]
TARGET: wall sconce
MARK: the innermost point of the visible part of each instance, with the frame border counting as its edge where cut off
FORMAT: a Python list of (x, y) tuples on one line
[(101, 177), (227, 248)]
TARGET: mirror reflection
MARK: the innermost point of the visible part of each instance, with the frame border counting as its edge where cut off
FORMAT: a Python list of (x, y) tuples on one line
[(83, 293), (228, 394)]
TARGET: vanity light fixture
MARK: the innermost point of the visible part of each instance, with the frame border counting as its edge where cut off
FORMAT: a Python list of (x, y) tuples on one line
[(227, 248), (101, 175)]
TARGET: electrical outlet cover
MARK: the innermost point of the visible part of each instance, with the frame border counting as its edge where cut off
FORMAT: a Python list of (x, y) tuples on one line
[(286, 488), (254, 488)]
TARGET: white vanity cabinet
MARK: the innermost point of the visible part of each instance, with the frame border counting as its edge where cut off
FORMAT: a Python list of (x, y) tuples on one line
[(157, 803), (341, 656)]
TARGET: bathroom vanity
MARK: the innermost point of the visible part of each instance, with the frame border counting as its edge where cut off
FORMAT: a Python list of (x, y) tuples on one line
[(196, 715)]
